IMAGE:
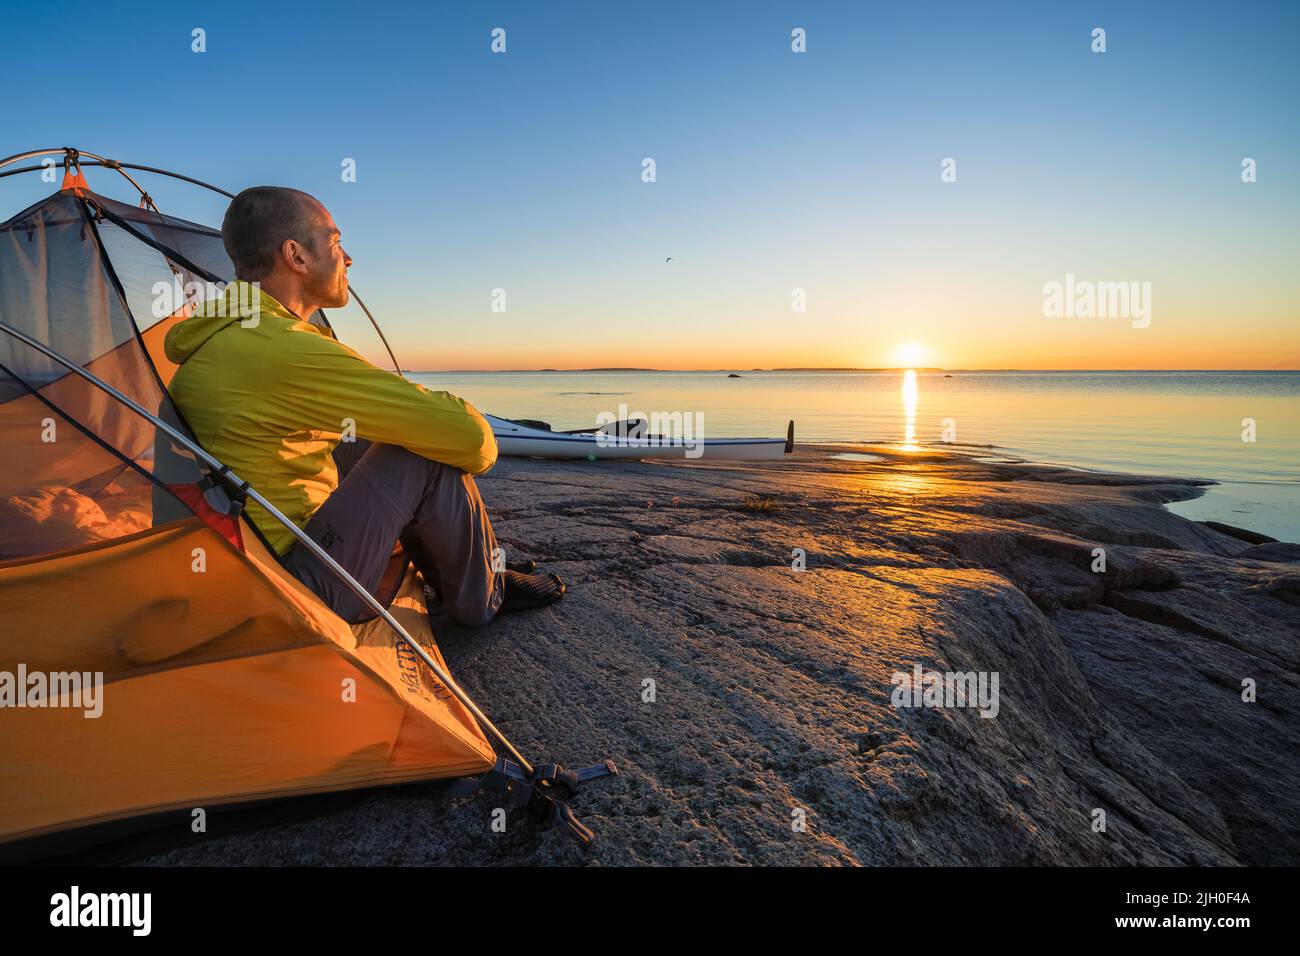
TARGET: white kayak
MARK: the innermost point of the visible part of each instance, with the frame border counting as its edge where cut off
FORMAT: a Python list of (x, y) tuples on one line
[(525, 438)]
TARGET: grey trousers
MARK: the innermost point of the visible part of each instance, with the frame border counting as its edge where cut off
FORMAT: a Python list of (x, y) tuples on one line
[(387, 493)]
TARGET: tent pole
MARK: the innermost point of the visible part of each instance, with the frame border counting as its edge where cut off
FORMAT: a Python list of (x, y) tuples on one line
[(383, 338), (68, 153), (339, 571), (122, 167)]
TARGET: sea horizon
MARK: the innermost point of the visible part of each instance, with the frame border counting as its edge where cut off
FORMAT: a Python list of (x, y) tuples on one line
[(1239, 428), (832, 368)]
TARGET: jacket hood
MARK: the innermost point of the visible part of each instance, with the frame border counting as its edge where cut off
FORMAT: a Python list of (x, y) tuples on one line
[(241, 301)]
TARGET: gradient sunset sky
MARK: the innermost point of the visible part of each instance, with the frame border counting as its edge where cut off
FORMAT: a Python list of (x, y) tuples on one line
[(775, 170)]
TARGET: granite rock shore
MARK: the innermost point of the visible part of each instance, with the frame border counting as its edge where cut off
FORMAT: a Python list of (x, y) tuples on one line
[(1123, 638)]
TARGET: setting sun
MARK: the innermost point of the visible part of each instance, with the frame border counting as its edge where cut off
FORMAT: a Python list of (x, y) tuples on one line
[(910, 354)]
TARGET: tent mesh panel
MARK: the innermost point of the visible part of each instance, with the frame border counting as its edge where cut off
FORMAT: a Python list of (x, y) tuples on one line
[(80, 467)]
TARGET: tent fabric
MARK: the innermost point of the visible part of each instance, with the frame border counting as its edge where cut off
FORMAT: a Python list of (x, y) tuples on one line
[(209, 700), (224, 679)]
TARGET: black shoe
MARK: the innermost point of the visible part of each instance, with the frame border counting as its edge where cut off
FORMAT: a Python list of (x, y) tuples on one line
[(527, 592), (523, 567)]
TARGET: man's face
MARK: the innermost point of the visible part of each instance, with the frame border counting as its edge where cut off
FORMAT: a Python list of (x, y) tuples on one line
[(327, 282)]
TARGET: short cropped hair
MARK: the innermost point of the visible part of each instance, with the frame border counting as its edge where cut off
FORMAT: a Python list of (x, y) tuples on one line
[(258, 222)]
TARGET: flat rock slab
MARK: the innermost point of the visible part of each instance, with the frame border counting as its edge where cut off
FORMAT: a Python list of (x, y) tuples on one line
[(750, 704)]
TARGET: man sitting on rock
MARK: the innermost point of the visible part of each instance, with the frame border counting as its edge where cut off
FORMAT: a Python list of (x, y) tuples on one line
[(280, 401)]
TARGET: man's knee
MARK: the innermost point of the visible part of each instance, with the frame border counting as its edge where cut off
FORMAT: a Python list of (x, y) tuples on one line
[(396, 460)]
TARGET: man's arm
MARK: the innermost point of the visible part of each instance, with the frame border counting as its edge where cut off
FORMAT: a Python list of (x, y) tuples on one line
[(327, 382)]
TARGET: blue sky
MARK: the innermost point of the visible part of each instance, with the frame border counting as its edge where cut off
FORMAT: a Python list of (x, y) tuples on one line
[(775, 170)]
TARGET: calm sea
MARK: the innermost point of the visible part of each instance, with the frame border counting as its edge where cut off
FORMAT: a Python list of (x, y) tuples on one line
[(1188, 424)]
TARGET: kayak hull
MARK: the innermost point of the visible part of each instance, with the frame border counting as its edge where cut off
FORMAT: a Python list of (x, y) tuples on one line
[(515, 439)]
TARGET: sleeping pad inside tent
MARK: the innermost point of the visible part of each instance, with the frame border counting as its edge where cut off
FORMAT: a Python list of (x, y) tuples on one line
[(224, 679)]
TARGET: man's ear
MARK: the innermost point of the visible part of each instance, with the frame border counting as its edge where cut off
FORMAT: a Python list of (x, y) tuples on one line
[(291, 252)]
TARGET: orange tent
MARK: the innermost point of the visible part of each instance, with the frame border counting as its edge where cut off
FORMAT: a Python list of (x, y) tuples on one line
[(154, 655)]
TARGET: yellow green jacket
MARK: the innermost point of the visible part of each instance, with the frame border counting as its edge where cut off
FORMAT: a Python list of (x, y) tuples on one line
[(270, 395)]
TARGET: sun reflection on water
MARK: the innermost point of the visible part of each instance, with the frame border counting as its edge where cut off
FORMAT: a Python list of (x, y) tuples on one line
[(910, 396)]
